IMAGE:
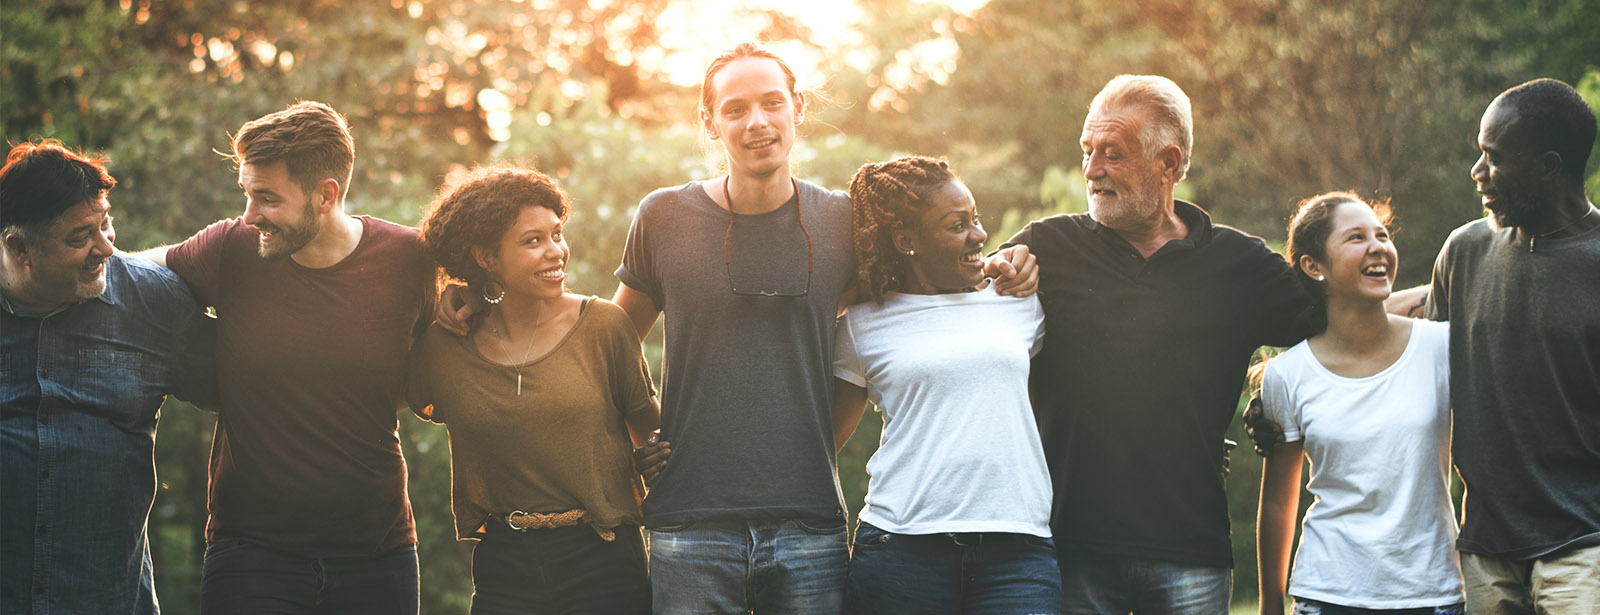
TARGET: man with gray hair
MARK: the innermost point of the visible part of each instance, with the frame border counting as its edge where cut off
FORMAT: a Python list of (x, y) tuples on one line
[(1152, 315)]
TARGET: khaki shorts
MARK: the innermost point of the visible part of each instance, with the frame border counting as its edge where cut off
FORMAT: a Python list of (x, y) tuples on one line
[(1565, 584)]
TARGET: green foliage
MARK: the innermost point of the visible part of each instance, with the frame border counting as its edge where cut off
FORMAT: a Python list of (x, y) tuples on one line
[(1291, 98)]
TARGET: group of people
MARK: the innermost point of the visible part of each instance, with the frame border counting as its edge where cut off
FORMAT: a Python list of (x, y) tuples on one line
[(1054, 413)]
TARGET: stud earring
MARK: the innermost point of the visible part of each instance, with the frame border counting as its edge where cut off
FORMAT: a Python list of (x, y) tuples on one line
[(911, 252), (1319, 278)]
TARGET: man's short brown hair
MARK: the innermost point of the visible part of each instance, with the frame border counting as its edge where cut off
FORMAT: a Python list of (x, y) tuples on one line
[(310, 137)]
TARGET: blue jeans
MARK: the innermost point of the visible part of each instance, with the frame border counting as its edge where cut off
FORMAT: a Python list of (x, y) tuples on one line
[(1304, 606), (1095, 584), (952, 573), (768, 567), (240, 578), (559, 570)]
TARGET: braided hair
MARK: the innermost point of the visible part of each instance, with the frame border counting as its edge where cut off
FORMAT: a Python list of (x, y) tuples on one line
[(886, 196)]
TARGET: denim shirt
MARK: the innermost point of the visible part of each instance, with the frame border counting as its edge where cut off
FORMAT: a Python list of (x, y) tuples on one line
[(80, 391)]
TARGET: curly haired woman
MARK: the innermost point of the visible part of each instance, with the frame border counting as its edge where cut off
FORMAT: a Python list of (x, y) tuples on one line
[(541, 399)]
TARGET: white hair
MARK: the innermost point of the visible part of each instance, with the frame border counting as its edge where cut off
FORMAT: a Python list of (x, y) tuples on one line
[(1171, 121)]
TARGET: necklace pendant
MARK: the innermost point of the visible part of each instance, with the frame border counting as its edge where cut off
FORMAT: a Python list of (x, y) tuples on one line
[(519, 384)]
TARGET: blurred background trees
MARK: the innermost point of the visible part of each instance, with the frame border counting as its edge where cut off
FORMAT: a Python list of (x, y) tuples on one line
[(1291, 98)]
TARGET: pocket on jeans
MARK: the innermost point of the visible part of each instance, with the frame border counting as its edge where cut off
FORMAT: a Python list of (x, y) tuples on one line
[(1307, 607), (834, 525), (1040, 543), (669, 528), (870, 538)]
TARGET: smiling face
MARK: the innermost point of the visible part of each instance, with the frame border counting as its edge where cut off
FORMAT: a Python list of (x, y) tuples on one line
[(1360, 260), (67, 264), (1508, 170), (753, 113), (278, 208), (947, 240), (1125, 189), (531, 260)]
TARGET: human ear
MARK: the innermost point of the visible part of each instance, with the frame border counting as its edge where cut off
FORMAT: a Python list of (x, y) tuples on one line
[(799, 108), (1552, 166), (16, 245), (1171, 158), (705, 120), (1311, 267), (902, 242), (484, 259)]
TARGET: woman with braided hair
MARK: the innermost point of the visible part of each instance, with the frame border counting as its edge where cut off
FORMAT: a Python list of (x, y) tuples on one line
[(958, 502)]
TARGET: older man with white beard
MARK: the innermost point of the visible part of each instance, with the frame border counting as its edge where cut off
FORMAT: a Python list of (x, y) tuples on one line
[(1152, 314)]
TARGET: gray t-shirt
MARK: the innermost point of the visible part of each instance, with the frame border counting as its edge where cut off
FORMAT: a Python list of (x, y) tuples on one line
[(747, 382), (1525, 385)]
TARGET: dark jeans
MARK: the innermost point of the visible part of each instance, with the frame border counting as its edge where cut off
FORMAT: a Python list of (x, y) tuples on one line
[(245, 579), (1304, 606), (951, 573), (559, 570), (1095, 584)]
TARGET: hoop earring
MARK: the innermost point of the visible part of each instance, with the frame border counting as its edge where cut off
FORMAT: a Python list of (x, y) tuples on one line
[(495, 299)]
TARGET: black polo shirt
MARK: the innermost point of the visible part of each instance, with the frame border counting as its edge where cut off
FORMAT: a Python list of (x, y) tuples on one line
[(1141, 371)]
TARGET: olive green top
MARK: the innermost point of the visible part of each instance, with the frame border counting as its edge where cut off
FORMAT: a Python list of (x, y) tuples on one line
[(560, 445)]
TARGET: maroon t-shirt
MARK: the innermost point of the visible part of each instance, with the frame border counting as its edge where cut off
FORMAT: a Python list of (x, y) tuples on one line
[(311, 363)]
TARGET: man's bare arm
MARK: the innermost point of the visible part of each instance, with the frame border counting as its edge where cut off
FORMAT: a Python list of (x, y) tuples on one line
[(641, 309), (1408, 302), (157, 255)]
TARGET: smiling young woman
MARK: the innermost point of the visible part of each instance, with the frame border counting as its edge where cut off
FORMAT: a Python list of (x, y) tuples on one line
[(945, 358), (541, 399), (1367, 401)]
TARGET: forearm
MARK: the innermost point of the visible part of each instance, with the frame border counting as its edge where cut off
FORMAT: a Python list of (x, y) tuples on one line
[(1409, 302), (1275, 519), (157, 255), (849, 402), (644, 423)]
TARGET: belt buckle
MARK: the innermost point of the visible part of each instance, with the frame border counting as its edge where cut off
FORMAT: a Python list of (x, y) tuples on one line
[(514, 514), (972, 539)]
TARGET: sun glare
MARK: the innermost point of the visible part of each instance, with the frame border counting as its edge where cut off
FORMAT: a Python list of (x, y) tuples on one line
[(693, 32)]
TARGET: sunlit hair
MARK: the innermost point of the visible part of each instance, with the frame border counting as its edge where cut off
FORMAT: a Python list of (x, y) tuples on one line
[(1166, 109), (883, 197), (1309, 230), (311, 138), (474, 209), (1555, 118), (43, 179), (748, 49)]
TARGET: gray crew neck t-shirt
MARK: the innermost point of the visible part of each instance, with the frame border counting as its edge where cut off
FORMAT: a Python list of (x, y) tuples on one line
[(1525, 387), (747, 381)]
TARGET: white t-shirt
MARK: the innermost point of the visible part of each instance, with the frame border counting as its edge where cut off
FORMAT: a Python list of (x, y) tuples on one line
[(960, 449), (1381, 532)]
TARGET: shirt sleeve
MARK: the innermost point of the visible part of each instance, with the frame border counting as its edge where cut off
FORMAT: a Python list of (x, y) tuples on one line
[(197, 364), (1038, 331), (631, 382), (1277, 402), (419, 390), (637, 269), (1283, 306), (198, 260), (1023, 237), (1437, 306), (847, 364)]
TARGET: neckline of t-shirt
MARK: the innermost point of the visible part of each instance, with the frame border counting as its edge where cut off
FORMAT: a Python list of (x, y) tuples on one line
[(710, 206), (1405, 355), (987, 292), (361, 245), (1551, 244), (583, 313)]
